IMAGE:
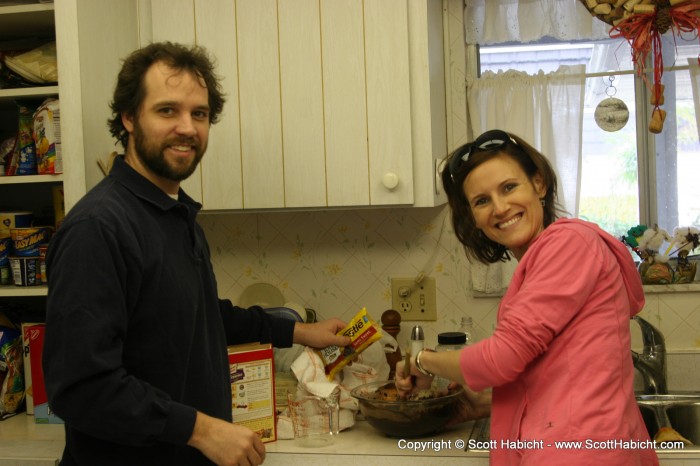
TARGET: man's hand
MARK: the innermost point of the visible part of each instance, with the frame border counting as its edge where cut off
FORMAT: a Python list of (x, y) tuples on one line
[(226, 444), (320, 334)]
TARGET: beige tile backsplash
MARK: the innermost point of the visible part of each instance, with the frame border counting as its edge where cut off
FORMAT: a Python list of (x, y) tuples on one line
[(339, 261)]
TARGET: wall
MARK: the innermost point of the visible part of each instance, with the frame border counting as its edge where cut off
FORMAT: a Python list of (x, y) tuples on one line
[(339, 261)]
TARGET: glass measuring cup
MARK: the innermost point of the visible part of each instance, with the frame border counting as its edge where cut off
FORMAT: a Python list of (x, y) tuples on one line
[(314, 418)]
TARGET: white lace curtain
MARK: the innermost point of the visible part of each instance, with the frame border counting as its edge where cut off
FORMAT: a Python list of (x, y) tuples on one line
[(497, 21), (547, 111), (695, 84)]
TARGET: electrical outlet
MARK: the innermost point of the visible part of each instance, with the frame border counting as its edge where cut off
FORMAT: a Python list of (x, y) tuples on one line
[(414, 301)]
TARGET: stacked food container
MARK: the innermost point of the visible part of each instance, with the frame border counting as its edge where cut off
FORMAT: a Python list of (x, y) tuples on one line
[(22, 249)]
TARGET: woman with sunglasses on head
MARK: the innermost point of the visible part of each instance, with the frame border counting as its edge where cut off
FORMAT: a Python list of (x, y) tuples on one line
[(559, 359)]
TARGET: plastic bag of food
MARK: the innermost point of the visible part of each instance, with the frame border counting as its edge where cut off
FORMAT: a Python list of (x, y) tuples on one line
[(47, 138), (7, 147), (39, 65), (23, 160), (363, 331), (11, 377)]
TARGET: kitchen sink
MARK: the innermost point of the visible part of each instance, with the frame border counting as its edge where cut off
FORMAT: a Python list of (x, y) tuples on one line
[(682, 410), (679, 410)]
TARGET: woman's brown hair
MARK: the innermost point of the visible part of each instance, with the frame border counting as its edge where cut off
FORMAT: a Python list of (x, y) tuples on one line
[(469, 156)]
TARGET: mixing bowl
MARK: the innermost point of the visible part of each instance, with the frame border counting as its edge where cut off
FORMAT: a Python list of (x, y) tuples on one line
[(405, 418)]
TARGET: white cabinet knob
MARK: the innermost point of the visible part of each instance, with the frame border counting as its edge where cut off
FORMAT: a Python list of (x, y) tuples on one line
[(390, 180)]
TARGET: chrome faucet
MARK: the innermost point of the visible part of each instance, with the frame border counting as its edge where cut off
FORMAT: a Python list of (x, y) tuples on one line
[(651, 363)]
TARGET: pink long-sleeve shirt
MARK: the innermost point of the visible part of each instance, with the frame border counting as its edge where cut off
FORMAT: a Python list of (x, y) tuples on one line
[(559, 359)]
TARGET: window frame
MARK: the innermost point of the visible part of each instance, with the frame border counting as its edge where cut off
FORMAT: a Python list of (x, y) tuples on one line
[(647, 179)]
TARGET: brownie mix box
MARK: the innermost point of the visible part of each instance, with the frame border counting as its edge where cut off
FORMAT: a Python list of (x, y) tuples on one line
[(253, 388)]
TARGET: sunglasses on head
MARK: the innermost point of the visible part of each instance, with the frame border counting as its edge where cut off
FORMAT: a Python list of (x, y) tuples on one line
[(490, 140)]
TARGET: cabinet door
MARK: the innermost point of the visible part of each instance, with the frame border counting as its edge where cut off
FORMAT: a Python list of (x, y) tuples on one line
[(301, 84), (388, 101), (345, 102), (222, 185), (319, 102), (217, 182), (173, 20), (366, 101), (318, 108), (259, 104)]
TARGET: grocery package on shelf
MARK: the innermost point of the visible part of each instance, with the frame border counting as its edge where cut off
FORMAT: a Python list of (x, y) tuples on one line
[(26, 241), (5, 247), (7, 148), (34, 340), (36, 149), (9, 221), (47, 138), (23, 158), (15, 219), (28, 264), (38, 65), (28, 390), (11, 376), (26, 271)]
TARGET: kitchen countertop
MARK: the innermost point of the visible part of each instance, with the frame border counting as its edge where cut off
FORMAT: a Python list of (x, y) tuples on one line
[(24, 443), (363, 441)]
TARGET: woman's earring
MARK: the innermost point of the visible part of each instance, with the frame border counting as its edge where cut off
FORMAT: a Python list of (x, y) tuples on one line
[(542, 202)]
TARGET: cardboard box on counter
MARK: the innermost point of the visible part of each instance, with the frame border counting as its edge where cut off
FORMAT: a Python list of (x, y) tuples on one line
[(28, 390), (33, 335), (253, 388)]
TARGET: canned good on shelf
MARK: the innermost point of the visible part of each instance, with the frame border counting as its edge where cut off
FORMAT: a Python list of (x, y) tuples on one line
[(26, 271), (26, 241)]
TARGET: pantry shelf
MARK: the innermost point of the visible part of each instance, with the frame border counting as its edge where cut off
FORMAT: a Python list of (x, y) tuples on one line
[(28, 92), (20, 291), (27, 179), (27, 20)]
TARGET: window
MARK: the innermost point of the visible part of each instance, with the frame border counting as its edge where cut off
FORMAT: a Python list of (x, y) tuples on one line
[(630, 176)]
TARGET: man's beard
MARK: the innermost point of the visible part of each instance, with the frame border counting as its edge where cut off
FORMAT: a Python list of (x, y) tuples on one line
[(152, 156)]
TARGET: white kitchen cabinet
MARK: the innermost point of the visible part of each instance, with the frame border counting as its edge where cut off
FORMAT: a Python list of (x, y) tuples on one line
[(330, 103)]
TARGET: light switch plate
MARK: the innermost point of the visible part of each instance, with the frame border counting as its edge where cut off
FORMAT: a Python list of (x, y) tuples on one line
[(414, 301)]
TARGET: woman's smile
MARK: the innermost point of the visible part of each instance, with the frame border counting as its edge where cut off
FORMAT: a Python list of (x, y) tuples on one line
[(510, 222)]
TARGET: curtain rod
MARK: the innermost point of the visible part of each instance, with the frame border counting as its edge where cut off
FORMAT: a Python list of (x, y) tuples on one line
[(615, 73), (624, 72)]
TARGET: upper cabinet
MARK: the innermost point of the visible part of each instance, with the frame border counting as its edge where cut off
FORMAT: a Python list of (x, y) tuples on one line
[(330, 103)]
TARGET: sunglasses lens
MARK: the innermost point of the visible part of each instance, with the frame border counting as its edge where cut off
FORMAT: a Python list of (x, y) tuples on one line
[(490, 140), (492, 144), (458, 158)]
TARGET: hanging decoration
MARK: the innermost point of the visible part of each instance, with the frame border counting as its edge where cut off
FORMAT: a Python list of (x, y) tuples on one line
[(642, 23), (611, 114)]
